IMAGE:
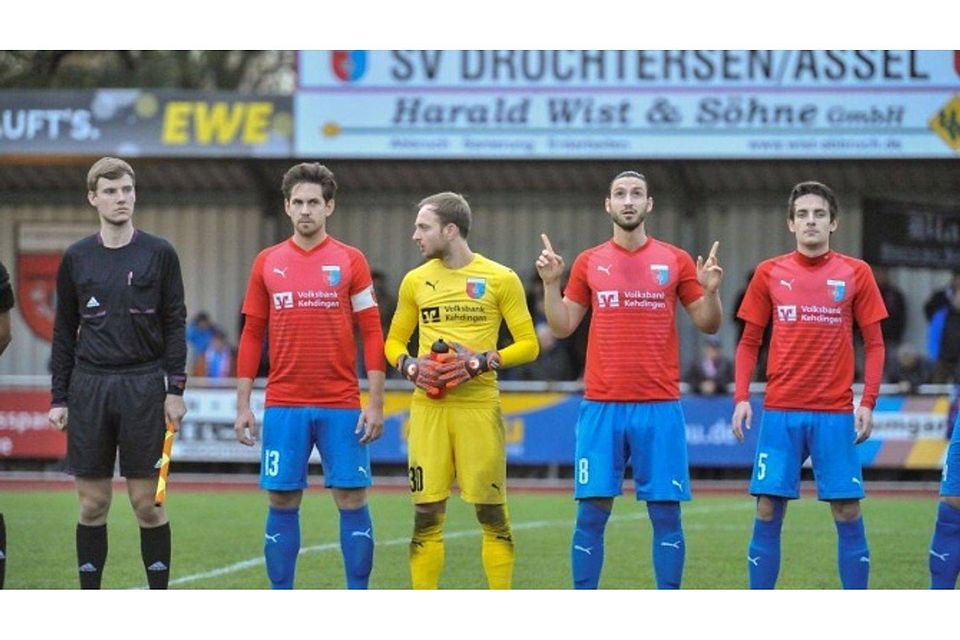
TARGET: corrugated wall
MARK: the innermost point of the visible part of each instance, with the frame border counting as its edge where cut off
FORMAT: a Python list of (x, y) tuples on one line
[(216, 245)]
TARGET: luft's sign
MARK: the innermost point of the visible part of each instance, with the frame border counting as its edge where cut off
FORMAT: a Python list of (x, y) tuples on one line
[(135, 122)]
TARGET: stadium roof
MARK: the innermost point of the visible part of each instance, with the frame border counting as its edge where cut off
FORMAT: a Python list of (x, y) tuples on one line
[(216, 176)]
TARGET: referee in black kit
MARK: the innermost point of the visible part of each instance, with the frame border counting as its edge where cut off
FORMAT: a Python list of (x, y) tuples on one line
[(6, 303), (119, 329)]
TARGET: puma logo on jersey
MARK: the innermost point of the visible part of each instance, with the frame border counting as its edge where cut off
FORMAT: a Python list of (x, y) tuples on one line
[(93, 303), (788, 283), (677, 484), (605, 269), (281, 272), (855, 480), (432, 285), (363, 471)]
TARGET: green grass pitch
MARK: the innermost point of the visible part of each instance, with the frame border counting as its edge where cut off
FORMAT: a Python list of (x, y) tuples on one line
[(218, 539)]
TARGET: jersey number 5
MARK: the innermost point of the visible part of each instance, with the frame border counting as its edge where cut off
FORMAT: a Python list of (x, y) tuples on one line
[(761, 466)]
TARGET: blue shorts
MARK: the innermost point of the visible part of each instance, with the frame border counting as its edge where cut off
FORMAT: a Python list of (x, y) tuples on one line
[(651, 435), (289, 435), (950, 486), (788, 438)]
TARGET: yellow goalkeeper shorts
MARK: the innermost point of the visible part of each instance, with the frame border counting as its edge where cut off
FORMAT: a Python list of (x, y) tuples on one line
[(462, 442)]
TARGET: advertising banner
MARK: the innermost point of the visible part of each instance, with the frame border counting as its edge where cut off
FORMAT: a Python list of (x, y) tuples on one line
[(40, 247), (24, 429), (145, 122), (909, 431), (628, 104)]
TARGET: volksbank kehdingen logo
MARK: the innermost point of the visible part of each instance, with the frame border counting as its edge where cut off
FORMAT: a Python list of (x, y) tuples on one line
[(348, 66)]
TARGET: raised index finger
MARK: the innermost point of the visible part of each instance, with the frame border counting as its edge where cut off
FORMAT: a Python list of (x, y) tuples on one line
[(546, 243), (713, 249)]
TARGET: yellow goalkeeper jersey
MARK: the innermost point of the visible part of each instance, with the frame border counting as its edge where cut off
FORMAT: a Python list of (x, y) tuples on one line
[(464, 305)]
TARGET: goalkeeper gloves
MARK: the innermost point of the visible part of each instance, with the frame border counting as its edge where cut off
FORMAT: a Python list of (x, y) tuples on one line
[(423, 372), (467, 365)]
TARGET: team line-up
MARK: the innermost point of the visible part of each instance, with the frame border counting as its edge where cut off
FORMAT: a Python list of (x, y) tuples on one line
[(119, 360)]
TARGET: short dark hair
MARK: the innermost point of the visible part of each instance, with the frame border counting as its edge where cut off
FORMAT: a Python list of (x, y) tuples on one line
[(629, 174), (451, 208), (817, 189), (109, 168), (310, 172)]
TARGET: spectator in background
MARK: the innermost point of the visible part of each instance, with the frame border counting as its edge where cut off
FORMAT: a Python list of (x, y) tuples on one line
[(896, 303), (760, 374), (943, 340), (387, 302), (6, 303), (555, 361), (909, 368), (385, 299), (217, 359), (712, 371), (941, 298), (200, 331)]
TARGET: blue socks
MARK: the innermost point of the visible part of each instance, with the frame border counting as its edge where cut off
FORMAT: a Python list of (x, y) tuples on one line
[(669, 549), (763, 555), (853, 555), (945, 548), (356, 544), (281, 546), (586, 552)]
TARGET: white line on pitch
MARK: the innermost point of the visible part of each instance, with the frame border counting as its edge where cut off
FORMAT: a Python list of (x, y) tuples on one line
[(520, 526)]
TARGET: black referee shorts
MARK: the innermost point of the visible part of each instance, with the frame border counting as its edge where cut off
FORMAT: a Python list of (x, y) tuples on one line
[(111, 409)]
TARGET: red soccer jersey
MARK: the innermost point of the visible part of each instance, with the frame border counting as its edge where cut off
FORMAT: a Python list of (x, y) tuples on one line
[(308, 299), (632, 349), (813, 303)]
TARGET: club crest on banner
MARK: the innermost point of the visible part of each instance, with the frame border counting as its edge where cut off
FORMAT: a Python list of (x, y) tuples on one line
[(332, 271), (348, 66), (40, 248), (476, 287)]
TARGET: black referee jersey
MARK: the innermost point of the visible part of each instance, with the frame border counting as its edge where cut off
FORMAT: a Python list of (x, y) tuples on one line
[(118, 308), (6, 290)]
